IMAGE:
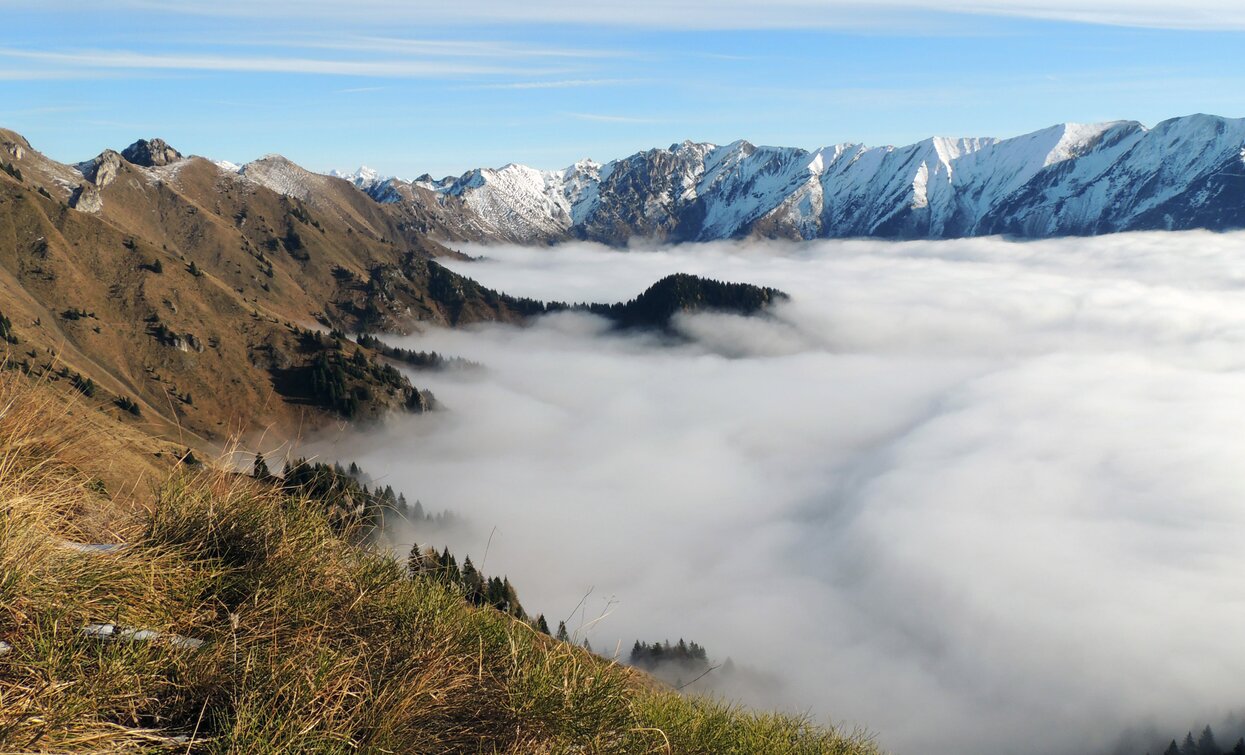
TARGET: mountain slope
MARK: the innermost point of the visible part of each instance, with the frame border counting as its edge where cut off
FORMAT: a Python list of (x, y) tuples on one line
[(1070, 179), (183, 290)]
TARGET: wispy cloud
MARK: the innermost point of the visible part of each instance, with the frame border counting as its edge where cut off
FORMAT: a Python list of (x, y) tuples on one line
[(121, 59), (706, 14), (45, 75), (462, 48)]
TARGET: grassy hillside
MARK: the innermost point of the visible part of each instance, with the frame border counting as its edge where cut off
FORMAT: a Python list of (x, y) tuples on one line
[(185, 279), (311, 642)]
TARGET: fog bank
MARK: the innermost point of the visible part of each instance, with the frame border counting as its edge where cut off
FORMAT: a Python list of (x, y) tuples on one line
[(977, 496)]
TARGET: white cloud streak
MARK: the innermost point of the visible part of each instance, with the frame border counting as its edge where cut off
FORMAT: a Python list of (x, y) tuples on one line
[(85, 60), (978, 496), (1214, 15)]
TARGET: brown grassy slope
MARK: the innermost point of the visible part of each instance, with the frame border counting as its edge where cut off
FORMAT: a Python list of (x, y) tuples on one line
[(239, 262), (50, 430), (312, 643)]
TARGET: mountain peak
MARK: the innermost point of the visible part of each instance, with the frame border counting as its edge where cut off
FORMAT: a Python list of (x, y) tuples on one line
[(362, 177), (1066, 179), (152, 153)]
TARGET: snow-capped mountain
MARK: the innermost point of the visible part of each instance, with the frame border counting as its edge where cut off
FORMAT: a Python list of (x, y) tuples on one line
[(1070, 179), (362, 177)]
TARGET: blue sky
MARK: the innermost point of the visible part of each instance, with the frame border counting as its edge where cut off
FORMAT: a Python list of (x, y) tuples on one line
[(411, 87)]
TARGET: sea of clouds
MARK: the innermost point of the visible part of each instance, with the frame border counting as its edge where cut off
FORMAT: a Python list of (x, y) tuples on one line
[(976, 496)]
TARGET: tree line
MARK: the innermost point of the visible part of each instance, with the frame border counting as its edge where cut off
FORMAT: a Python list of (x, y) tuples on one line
[(1204, 744), (423, 360)]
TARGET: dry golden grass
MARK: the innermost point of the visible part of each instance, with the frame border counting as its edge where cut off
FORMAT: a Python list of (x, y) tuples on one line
[(313, 643)]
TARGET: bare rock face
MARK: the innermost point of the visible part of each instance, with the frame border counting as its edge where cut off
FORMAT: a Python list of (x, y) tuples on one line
[(14, 149), (151, 154), (102, 170), (86, 198)]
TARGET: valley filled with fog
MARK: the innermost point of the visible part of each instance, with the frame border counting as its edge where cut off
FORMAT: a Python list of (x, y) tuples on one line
[(976, 496)]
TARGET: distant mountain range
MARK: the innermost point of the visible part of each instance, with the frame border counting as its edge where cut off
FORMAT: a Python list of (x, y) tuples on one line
[(1066, 180)]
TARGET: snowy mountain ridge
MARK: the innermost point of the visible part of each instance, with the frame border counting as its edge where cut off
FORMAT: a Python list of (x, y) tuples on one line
[(1068, 179)]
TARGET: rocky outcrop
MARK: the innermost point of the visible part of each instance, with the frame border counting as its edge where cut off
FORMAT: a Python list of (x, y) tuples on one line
[(152, 153), (103, 169), (86, 198)]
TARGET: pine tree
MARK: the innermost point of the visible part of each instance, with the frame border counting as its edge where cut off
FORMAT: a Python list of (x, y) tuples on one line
[(511, 596), (415, 562), (449, 568), (1188, 746), (260, 470), (1206, 744), (562, 634), (494, 595), (542, 626), (1240, 747), (472, 582), (6, 330)]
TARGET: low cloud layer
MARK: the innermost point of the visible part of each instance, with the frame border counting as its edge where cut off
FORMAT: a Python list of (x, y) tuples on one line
[(976, 496)]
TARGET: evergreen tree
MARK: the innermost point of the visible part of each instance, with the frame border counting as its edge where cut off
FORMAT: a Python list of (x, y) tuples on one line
[(417, 562), (472, 582), (511, 596), (542, 626), (1240, 747), (562, 634), (1188, 746), (260, 470), (6, 330), (449, 568), (494, 595), (1206, 744)]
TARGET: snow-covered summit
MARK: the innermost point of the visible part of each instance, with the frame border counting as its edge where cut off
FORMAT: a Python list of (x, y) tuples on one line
[(364, 177), (1070, 178)]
